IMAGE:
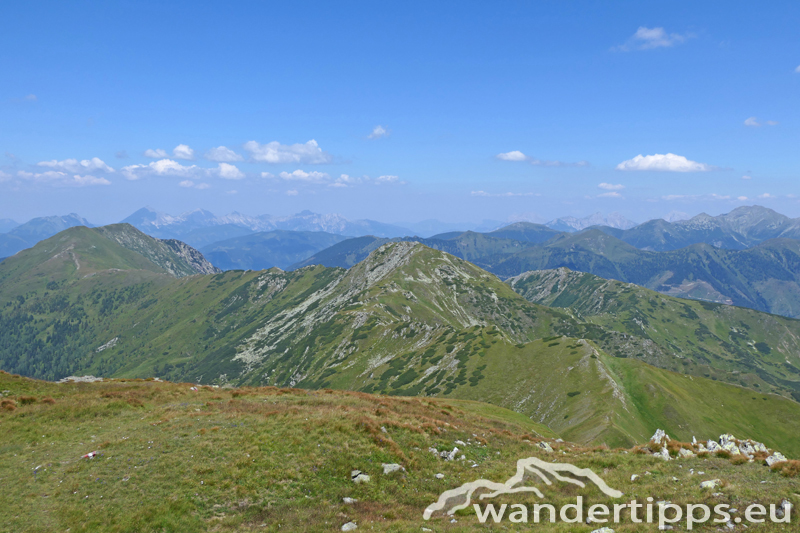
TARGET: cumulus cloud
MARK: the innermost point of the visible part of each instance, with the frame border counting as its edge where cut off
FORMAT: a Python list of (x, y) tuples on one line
[(797, 69), (649, 38), (275, 152), (387, 179), (182, 151), (73, 165), (378, 132), (611, 186), (307, 177), (745, 177), (223, 154), (664, 163), (189, 184), (63, 179), (229, 172), (742, 198), (158, 153), (501, 194), (612, 194), (4, 176), (754, 123), (291, 192), (516, 155), (765, 196), (162, 167)]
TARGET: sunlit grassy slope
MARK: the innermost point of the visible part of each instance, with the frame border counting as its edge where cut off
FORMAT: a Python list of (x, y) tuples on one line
[(264, 459)]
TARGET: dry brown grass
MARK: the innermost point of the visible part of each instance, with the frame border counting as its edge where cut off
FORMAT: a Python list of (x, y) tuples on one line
[(739, 459), (48, 400), (787, 468), (25, 400), (8, 404)]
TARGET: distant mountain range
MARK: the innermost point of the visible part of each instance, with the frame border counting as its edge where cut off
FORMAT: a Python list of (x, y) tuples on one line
[(195, 226), (26, 235), (570, 224)]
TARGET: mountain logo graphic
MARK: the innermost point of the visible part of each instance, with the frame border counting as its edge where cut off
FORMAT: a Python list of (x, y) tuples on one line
[(531, 468)]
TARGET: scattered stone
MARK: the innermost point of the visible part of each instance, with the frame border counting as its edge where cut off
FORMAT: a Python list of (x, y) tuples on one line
[(389, 468), (710, 484), (683, 452), (439, 476), (746, 448), (713, 446), (559, 440), (460, 443), (603, 530), (350, 526), (359, 477), (383, 429), (701, 447), (545, 446), (448, 456), (349, 501), (634, 477), (664, 527), (664, 454), (776, 457)]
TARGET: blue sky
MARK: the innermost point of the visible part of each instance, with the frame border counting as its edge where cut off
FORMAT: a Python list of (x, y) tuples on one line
[(448, 110)]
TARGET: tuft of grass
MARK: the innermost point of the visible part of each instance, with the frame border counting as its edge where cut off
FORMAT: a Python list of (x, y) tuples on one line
[(787, 468)]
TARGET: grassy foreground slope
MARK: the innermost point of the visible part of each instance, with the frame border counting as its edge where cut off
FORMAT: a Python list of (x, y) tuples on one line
[(264, 459), (721, 342)]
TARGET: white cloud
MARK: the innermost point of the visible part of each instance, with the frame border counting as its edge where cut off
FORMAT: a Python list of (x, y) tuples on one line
[(275, 152), (267, 175), (232, 191), (664, 163), (611, 186), (754, 123), (162, 167), (797, 69), (190, 184), (4, 176), (649, 38), (224, 154), (501, 195), (765, 196), (612, 194), (742, 198), (693, 197), (747, 177), (182, 151), (347, 181), (387, 179), (308, 177), (63, 179), (31, 98), (158, 153), (73, 165), (229, 172), (514, 155), (292, 192), (378, 132)]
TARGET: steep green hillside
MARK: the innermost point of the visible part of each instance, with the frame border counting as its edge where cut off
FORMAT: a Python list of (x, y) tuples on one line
[(260, 251), (723, 342)]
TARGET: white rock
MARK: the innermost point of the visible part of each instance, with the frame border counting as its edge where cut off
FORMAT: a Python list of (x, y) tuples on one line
[(448, 456), (776, 457), (359, 477), (545, 446), (683, 452), (746, 448), (603, 530), (665, 527), (439, 476), (713, 446), (701, 447), (349, 501), (710, 484), (460, 443), (664, 453), (730, 447), (660, 437), (350, 526), (389, 468), (634, 477)]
